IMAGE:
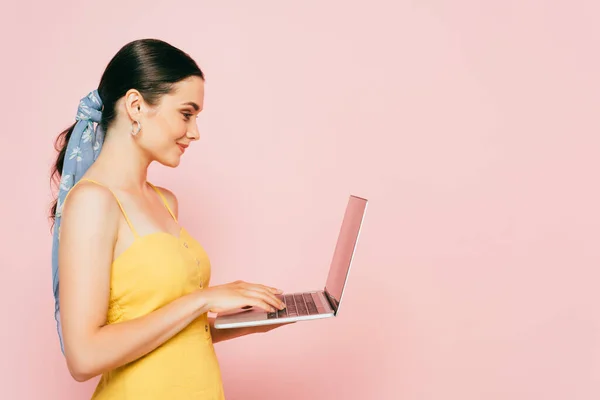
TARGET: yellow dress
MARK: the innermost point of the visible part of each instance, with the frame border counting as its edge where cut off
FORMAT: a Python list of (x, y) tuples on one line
[(155, 270)]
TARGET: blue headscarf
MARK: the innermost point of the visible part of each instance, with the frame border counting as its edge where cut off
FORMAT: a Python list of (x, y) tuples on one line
[(82, 150)]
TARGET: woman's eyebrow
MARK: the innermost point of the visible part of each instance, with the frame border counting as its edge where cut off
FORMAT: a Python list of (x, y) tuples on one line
[(191, 103)]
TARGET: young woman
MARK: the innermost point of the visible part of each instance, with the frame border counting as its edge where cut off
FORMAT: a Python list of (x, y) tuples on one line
[(134, 285)]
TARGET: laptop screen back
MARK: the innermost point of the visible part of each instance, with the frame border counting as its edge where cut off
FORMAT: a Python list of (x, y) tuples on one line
[(344, 250)]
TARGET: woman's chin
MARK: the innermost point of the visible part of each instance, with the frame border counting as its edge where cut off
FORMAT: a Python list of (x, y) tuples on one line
[(171, 161)]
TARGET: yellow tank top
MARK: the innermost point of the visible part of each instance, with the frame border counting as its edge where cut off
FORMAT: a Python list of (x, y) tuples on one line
[(155, 270)]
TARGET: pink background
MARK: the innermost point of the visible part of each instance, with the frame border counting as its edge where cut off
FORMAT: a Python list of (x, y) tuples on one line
[(473, 129)]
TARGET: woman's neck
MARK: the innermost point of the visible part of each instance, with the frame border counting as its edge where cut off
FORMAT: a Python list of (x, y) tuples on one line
[(121, 163)]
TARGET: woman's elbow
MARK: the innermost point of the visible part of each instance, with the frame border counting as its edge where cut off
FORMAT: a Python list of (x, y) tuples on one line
[(79, 367), (80, 377)]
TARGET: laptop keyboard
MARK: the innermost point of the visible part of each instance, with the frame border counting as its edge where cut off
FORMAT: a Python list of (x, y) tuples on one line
[(297, 304)]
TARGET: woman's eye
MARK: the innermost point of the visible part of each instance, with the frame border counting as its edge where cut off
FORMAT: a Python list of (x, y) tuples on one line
[(187, 116)]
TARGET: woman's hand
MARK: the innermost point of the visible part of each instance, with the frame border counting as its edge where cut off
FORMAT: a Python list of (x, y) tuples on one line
[(240, 294)]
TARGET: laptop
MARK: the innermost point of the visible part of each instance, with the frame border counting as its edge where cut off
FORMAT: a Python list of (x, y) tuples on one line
[(313, 304)]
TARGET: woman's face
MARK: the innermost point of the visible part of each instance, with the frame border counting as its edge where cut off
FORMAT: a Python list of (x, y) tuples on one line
[(170, 126)]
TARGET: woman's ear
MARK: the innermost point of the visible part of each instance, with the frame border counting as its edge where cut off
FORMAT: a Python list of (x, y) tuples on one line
[(134, 104)]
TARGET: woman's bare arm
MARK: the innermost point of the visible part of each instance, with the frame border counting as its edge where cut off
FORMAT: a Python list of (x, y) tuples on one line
[(88, 234)]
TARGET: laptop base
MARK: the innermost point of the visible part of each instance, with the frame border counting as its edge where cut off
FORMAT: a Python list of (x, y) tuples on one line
[(304, 306)]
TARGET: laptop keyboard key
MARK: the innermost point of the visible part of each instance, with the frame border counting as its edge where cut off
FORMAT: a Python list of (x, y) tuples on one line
[(310, 304), (297, 304)]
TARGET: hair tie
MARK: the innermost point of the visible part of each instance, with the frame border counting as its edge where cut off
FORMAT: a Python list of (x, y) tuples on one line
[(82, 150)]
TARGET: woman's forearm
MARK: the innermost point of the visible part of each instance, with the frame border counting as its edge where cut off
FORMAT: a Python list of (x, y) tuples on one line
[(114, 345)]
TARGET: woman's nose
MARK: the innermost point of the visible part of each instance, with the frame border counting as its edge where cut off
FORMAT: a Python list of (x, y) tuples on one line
[(193, 133)]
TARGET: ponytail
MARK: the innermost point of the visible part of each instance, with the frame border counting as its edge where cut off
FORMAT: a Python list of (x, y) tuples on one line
[(60, 145)]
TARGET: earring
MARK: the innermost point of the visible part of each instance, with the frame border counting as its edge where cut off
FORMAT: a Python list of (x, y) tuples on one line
[(137, 129)]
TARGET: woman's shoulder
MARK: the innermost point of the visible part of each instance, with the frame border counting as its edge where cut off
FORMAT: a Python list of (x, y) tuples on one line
[(87, 195), (90, 206)]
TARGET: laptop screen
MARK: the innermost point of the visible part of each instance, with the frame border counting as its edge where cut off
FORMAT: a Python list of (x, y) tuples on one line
[(344, 249)]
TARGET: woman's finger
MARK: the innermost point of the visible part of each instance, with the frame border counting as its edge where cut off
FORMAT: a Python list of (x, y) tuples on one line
[(274, 290), (271, 289), (257, 302), (272, 298), (268, 288), (267, 298)]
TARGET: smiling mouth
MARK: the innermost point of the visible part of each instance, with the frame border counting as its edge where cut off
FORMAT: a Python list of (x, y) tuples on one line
[(182, 148)]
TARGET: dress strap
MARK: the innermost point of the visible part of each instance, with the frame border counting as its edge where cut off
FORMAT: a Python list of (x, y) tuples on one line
[(164, 200), (118, 202)]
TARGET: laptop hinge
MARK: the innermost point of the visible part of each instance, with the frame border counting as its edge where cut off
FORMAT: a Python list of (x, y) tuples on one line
[(330, 301)]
